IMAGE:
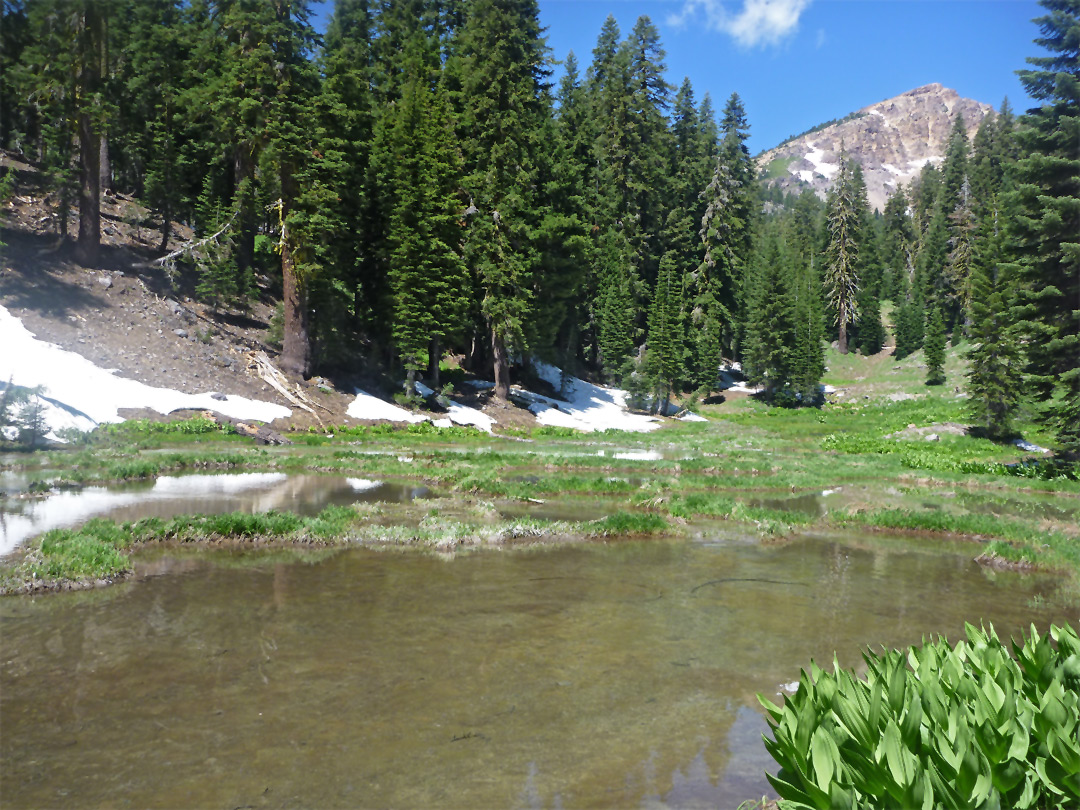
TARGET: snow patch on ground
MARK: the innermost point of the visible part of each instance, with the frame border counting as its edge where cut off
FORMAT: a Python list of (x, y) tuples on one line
[(1028, 447), (586, 406), (461, 414), (731, 378), (365, 406), (82, 395), (690, 416)]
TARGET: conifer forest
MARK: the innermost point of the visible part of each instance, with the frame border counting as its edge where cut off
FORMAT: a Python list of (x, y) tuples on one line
[(426, 178)]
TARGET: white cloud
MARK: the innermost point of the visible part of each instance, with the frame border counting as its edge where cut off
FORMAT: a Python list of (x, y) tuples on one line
[(758, 22)]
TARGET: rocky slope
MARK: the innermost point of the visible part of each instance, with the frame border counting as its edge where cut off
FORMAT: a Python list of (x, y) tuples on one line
[(891, 140)]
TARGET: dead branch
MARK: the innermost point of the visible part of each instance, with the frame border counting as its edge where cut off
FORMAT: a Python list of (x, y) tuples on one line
[(192, 246)]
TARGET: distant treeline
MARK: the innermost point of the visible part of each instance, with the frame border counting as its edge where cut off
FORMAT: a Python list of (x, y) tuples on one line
[(416, 182)]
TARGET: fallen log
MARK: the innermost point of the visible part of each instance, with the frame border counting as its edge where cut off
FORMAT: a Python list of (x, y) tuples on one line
[(260, 433)]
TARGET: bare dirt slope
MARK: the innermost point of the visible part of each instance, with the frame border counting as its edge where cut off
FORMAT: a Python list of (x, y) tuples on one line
[(131, 315)]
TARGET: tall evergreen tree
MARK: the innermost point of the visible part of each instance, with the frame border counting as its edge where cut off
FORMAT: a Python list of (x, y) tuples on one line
[(1045, 233), (666, 341), (841, 266), (995, 364), (419, 170), (503, 69), (770, 356), (934, 348)]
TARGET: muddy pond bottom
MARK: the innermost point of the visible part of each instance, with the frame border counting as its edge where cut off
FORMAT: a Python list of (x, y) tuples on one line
[(616, 675)]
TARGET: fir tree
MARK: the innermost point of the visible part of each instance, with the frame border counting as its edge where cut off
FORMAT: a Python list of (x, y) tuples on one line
[(503, 68), (419, 169), (995, 364), (841, 268), (770, 358), (1045, 233), (934, 348), (666, 339)]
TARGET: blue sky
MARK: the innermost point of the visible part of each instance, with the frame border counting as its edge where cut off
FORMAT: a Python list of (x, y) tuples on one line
[(797, 63)]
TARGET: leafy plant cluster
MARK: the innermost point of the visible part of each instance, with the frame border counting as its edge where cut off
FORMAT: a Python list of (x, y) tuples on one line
[(969, 726), (946, 458)]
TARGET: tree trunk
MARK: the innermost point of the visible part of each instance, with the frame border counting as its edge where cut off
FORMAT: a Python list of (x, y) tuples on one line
[(296, 346), (501, 366), (104, 167), (841, 343), (243, 176), (89, 138), (89, 199), (434, 355)]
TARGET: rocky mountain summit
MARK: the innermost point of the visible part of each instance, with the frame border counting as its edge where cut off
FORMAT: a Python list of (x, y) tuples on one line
[(892, 140)]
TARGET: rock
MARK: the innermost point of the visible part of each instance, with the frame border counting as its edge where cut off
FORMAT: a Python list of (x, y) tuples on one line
[(218, 397), (933, 437), (105, 281), (180, 333), (174, 307)]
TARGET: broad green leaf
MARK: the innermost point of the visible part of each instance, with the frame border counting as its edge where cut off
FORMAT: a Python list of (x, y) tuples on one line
[(824, 757)]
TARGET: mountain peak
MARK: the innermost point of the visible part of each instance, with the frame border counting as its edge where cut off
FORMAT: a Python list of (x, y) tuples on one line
[(892, 140)]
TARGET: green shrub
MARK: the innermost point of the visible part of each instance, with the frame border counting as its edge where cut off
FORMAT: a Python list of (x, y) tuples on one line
[(963, 727)]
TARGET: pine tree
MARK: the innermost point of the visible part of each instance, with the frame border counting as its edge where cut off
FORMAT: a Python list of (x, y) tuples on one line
[(419, 171), (564, 248), (841, 268), (715, 289), (1045, 233), (503, 65), (897, 246), (995, 364), (934, 348), (771, 352), (666, 340), (961, 257)]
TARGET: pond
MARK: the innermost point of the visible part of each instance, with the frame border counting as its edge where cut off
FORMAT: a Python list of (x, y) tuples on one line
[(168, 496), (621, 675)]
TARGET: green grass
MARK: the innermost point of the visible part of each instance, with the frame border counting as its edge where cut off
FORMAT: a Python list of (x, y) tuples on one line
[(747, 453)]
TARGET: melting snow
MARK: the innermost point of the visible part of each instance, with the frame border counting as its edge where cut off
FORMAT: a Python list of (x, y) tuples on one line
[(82, 395), (1028, 447), (586, 406), (365, 406), (817, 157), (692, 417), (462, 414)]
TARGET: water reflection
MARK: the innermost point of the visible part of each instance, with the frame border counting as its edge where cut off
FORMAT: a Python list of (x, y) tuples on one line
[(169, 496), (603, 676)]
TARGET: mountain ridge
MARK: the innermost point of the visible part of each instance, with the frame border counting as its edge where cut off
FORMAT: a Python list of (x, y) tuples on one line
[(891, 140)]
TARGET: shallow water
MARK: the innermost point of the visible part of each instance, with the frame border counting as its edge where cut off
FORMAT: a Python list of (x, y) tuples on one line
[(169, 496), (618, 675)]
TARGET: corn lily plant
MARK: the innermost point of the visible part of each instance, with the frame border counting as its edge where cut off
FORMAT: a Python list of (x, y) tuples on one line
[(969, 726)]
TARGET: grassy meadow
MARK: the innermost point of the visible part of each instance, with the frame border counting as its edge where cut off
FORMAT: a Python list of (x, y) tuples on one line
[(884, 453)]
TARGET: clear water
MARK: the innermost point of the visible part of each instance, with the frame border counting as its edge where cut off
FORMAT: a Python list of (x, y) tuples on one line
[(619, 675), (168, 496)]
